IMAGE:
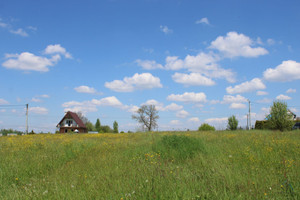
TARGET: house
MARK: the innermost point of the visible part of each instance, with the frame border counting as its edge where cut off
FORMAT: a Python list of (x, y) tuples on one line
[(71, 123)]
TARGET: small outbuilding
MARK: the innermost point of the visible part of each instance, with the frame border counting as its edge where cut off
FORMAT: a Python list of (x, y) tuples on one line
[(71, 123)]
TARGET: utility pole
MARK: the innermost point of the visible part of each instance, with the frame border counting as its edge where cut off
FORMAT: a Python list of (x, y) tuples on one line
[(249, 114), (26, 119), (247, 122)]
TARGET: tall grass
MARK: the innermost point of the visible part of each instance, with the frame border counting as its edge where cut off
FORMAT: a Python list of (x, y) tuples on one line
[(166, 165)]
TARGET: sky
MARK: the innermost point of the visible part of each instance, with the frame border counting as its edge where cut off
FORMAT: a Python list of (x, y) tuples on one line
[(197, 61)]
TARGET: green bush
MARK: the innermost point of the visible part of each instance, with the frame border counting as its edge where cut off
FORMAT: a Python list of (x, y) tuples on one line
[(206, 127), (178, 147), (279, 117)]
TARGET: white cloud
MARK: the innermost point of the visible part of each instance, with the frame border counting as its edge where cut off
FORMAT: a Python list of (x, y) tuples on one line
[(194, 120), (85, 89), (182, 114), (36, 99), (2, 110), (237, 106), (291, 90), (91, 106), (108, 101), (216, 120), (173, 107), (165, 29), (188, 97), (148, 64), (30, 62), (136, 82), (158, 106), (248, 86), (204, 20), (261, 93), (173, 63), (3, 25), (175, 122), (203, 63), (287, 71), (20, 32), (283, 97), (234, 44), (57, 49), (192, 79), (228, 99), (3, 102), (38, 110)]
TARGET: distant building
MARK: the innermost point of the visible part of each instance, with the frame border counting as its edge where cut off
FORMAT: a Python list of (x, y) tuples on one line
[(71, 123)]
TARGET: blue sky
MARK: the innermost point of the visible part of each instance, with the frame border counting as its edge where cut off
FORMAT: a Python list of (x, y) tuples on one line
[(197, 61)]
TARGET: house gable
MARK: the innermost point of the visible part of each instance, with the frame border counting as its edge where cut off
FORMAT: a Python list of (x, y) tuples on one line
[(71, 123)]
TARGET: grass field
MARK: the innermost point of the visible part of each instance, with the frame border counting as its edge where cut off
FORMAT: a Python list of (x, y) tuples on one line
[(189, 165)]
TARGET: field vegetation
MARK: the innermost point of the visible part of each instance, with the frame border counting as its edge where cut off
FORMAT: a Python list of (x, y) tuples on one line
[(163, 165)]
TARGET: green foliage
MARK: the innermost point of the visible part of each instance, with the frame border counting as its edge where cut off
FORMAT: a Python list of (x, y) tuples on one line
[(90, 126), (98, 125), (206, 127), (262, 125), (279, 118), (106, 129), (116, 127), (232, 123), (178, 147), (4, 132)]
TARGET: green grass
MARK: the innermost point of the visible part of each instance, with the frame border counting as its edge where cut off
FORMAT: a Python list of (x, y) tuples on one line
[(165, 165)]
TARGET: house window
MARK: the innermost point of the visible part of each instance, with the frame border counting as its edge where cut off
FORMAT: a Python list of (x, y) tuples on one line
[(69, 122), (66, 130)]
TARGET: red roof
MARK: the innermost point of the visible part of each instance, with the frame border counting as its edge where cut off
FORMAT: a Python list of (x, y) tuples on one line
[(74, 116)]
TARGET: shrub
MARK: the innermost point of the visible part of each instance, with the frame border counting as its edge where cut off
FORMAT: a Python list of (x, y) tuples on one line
[(206, 127), (178, 147)]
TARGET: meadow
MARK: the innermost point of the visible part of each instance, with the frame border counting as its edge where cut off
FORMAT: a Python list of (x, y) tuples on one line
[(158, 165)]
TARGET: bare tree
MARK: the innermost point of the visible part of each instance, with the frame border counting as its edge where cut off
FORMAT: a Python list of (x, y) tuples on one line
[(83, 118), (147, 115)]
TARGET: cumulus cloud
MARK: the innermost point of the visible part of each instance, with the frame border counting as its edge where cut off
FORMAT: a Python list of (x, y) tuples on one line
[(194, 120), (192, 79), (204, 20), (188, 97), (3, 102), (36, 99), (158, 106), (38, 110), (248, 86), (228, 99), (29, 62), (291, 91), (261, 93), (173, 107), (202, 63), (57, 49), (85, 89), (175, 122), (216, 120), (234, 45), (182, 114), (237, 106), (165, 29), (287, 71), (283, 97), (136, 82), (148, 64), (91, 106)]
